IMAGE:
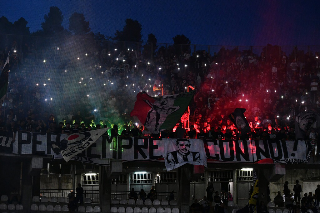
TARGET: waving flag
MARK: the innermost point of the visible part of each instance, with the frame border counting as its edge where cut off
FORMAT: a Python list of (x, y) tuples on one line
[(157, 114), (303, 123), (4, 80), (237, 117), (78, 142)]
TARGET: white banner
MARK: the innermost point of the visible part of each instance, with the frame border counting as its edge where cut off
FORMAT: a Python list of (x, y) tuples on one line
[(79, 147), (178, 152), (78, 142)]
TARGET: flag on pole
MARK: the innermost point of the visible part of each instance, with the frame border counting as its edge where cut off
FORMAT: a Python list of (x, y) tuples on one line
[(157, 114), (303, 123), (237, 117), (78, 142), (4, 77)]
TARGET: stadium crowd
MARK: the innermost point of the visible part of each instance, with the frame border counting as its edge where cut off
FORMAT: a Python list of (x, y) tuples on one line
[(271, 86)]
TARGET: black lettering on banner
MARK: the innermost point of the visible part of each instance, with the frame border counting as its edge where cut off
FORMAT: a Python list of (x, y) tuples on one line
[(89, 150), (273, 151), (284, 149), (35, 142), (153, 147), (223, 158), (50, 142), (6, 144), (20, 141), (104, 146), (260, 151), (123, 147), (215, 144), (206, 148), (138, 148), (245, 153)]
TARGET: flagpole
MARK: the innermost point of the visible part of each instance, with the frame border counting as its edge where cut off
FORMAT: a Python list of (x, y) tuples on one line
[(2, 101), (162, 89)]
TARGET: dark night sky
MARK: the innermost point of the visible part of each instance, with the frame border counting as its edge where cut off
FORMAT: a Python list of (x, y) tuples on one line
[(209, 22)]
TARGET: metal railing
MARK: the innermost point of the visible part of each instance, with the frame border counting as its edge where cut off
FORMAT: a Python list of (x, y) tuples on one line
[(124, 195), (92, 194)]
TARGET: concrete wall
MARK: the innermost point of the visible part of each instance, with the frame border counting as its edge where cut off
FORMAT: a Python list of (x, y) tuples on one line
[(307, 179)]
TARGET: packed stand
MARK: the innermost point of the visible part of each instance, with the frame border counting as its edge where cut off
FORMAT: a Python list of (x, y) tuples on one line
[(57, 89)]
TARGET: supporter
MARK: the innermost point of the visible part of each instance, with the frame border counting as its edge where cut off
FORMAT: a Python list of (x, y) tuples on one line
[(152, 195), (133, 194), (278, 200), (180, 131), (192, 133), (67, 129), (142, 195), (195, 207)]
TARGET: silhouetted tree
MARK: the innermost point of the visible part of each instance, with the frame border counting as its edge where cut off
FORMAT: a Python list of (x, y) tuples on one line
[(78, 25), (20, 27), (52, 22), (150, 47), (6, 27), (130, 32), (181, 44)]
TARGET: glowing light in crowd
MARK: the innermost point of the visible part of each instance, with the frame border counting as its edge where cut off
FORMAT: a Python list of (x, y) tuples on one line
[(95, 110), (148, 63), (14, 50), (317, 57), (117, 59), (302, 102), (86, 54), (149, 79), (267, 90), (115, 49), (48, 79), (90, 78), (44, 84), (109, 54), (79, 82), (78, 58), (226, 82), (275, 90), (197, 56), (282, 96), (88, 95), (65, 71), (212, 90), (51, 99), (278, 116), (216, 63), (185, 65), (45, 99), (37, 84), (246, 100), (240, 100), (44, 61), (58, 48)]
